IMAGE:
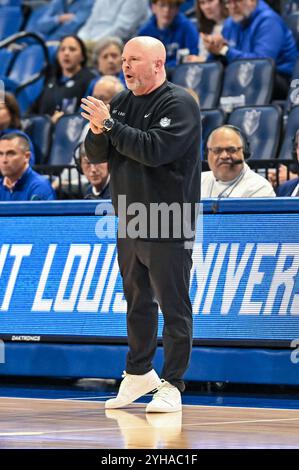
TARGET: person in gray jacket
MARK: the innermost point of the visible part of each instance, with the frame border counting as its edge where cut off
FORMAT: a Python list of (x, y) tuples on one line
[(118, 18), (63, 17)]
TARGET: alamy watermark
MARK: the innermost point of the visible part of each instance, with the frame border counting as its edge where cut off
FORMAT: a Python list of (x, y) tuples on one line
[(2, 352), (173, 221), (295, 354)]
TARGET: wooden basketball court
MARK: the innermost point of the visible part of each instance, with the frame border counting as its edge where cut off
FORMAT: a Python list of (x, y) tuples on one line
[(28, 423)]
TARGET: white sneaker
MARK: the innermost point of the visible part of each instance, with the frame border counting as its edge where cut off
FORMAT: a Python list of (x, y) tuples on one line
[(166, 400), (133, 387)]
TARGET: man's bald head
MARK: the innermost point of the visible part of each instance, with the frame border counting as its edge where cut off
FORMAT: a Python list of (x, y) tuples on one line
[(152, 47), (144, 64)]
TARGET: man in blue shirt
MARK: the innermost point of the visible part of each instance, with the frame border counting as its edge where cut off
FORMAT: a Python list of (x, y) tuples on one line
[(172, 28), (63, 17), (254, 30), (18, 182)]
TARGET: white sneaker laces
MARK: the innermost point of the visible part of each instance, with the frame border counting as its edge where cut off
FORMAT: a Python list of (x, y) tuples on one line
[(163, 390)]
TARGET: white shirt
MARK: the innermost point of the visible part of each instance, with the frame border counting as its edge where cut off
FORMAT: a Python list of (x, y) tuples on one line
[(247, 184)]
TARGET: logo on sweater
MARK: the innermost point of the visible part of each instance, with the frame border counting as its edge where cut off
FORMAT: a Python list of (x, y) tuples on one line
[(165, 122)]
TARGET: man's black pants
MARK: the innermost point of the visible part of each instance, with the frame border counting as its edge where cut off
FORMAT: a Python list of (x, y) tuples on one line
[(157, 272)]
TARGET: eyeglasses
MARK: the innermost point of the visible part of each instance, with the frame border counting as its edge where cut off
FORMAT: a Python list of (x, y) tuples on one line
[(219, 150)]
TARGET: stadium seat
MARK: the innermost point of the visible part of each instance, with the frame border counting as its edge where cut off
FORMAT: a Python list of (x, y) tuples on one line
[(39, 129), (211, 118), (290, 131), (28, 64), (6, 57), (262, 127), (252, 78), (31, 25), (292, 21), (66, 136), (205, 79), (293, 94), (11, 19), (10, 3), (288, 6)]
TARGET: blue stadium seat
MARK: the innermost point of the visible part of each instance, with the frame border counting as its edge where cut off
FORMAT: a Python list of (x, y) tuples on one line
[(292, 21), (288, 6), (10, 3), (290, 131), (6, 57), (293, 94), (39, 129), (205, 79), (210, 119), (262, 127), (252, 78), (11, 19), (35, 15), (65, 138), (27, 64)]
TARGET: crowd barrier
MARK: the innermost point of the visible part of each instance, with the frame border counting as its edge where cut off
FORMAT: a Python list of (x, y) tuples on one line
[(63, 313)]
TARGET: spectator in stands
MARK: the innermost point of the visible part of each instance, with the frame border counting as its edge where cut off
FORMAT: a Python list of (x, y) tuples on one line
[(10, 120), (171, 27), (254, 30), (69, 83), (107, 60), (230, 176), (97, 175), (63, 17), (291, 187), (210, 19), (18, 181), (119, 18), (104, 89)]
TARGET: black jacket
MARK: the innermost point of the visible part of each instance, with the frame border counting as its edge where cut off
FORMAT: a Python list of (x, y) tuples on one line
[(153, 149), (64, 95)]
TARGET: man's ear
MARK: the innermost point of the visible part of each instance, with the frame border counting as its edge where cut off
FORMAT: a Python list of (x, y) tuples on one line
[(28, 155), (159, 64)]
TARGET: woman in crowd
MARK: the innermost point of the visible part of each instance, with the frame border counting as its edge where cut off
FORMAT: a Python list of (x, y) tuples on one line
[(107, 60), (69, 83), (210, 18), (10, 120)]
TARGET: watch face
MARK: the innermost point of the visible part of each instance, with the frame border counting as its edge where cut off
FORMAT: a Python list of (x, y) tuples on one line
[(108, 124)]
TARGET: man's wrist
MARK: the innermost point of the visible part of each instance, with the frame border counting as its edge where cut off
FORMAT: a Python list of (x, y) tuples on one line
[(224, 50), (108, 124)]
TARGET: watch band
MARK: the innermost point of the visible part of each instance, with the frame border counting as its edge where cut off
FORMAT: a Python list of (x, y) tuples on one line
[(223, 51)]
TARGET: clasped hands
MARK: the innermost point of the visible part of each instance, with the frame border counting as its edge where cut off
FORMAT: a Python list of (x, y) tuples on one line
[(213, 43), (96, 111)]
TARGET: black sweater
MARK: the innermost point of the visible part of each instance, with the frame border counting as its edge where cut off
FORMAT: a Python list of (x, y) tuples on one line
[(64, 95), (153, 149)]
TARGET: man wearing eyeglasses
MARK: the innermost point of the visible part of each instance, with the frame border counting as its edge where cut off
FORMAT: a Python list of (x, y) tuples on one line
[(230, 176), (97, 175), (254, 30)]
